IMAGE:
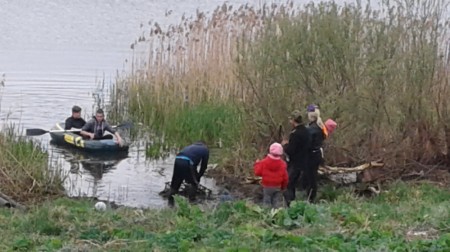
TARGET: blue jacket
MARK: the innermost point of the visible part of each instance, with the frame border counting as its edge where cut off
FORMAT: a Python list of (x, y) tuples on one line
[(197, 153)]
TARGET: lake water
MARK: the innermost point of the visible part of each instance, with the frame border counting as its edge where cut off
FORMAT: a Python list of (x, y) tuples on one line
[(58, 53)]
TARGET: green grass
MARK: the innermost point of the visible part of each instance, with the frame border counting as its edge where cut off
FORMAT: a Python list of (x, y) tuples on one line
[(384, 223)]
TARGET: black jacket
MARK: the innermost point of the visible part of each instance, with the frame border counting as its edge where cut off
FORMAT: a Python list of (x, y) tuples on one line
[(74, 123), (317, 136), (298, 147), (197, 153)]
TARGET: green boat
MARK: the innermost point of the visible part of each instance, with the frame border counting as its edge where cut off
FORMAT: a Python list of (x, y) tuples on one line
[(75, 140)]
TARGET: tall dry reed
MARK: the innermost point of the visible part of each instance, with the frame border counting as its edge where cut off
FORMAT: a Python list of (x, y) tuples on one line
[(382, 74)]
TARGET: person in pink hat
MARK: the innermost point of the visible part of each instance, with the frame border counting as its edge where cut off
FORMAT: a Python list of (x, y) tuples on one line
[(273, 170)]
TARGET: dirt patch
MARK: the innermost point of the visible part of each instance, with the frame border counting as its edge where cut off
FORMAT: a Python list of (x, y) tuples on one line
[(236, 186)]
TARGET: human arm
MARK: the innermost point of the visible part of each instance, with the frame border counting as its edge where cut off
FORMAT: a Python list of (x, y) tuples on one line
[(258, 168), (109, 128), (87, 129), (203, 165), (115, 133), (119, 138)]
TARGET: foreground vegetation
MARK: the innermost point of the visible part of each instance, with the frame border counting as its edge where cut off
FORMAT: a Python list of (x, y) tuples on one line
[(405, 217), (381, 73), (25, 175)]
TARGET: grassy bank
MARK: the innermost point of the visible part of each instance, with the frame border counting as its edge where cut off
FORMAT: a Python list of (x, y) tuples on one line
[(381, 74), (402, 218), (24, 172)]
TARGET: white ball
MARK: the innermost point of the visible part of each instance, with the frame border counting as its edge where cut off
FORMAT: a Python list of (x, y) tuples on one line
[(100, 206)]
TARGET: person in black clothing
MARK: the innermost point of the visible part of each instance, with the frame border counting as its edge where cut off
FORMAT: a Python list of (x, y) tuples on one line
[(75, 121), (315, 128), (297, 150), (185, 168)]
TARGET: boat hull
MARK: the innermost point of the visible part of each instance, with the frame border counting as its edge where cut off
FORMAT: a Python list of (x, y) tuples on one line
[(74, 140)]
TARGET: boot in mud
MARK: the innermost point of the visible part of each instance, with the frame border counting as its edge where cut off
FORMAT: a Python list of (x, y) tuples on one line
[(192, 193), (170, 198)]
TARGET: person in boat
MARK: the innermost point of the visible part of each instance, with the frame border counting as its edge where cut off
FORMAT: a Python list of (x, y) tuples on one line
[(185, 169), (95, 128), (75, 121), (297, 151)]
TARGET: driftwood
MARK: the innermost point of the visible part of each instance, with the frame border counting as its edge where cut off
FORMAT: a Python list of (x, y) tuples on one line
[(329, 170), (326, 170), (6, 201)]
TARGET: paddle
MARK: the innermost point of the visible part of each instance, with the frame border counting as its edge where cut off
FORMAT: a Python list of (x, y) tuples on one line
[(38, 132)]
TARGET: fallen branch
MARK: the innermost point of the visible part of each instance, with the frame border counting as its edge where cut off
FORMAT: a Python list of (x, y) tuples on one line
[(11, 202), (326, 170), (329, 170)]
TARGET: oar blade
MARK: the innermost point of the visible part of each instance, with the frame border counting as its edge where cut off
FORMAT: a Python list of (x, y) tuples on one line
[(35, 132)]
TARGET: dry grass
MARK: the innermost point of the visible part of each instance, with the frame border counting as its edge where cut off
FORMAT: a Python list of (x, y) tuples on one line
[(24, 172)]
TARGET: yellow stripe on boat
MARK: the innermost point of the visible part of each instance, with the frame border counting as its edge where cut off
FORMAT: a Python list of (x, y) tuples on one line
[(71, 139)]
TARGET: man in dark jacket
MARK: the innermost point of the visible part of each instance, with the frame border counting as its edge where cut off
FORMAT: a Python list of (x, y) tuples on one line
[(297, 150), (75, 121), (96, 127), (185, 168)]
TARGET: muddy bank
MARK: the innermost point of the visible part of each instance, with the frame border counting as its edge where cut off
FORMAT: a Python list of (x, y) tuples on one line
[(367, 183), (236, 186)]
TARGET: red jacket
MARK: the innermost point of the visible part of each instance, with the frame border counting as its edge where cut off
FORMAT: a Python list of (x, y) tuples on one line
[(273, 172)]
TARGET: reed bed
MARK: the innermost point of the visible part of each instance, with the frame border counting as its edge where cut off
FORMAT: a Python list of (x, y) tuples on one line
[(378, 73), (191, 69), (25, 175), (382, 74)]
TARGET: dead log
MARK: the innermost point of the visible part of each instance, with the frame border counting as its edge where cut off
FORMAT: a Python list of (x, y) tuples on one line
[(6, 201), (327, 170), (330, 171)]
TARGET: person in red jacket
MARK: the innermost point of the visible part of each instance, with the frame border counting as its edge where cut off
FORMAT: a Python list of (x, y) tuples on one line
[(273, 171)]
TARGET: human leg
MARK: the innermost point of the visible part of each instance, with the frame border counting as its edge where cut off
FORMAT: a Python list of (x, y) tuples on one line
[(312, 175), (178, 177), (293, 174)]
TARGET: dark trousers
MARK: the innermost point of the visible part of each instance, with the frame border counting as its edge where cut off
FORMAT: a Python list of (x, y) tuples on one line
[(311, 174), (272, 197), (183, 171), (294, 172), (103, 137)]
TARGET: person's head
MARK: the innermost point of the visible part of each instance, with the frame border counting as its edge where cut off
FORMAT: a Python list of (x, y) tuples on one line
[(330, 125), (76, 112), (275, 151), (295, 118), (99, 115), (313, 116)]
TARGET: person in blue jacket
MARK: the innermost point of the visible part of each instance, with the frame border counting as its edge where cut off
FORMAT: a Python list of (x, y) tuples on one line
[(185, 169)]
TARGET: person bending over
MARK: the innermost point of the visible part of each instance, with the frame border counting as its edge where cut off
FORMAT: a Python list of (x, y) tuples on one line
[(185, 169)]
